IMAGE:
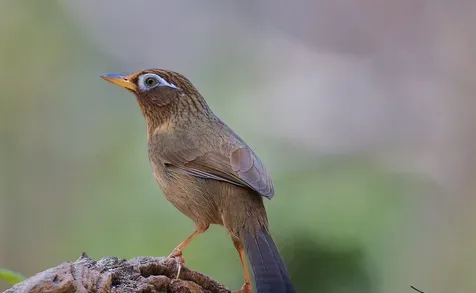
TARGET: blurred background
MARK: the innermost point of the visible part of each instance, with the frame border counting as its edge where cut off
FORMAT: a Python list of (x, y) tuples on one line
[(362, 111)]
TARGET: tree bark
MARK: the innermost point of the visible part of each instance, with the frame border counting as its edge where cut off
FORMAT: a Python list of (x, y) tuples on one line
[(113, 275)]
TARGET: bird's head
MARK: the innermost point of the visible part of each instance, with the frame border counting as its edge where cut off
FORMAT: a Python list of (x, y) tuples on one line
[(161, 94)]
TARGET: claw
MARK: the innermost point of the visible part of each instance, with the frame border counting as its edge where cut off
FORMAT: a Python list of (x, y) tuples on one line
[(179, 265), (177, 255), (176, 252), (246, 288)]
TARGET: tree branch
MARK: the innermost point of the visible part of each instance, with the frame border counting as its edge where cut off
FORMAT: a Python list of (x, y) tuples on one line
[(113, 275)]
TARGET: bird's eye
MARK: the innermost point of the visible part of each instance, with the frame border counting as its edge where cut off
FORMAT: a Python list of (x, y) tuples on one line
[(151, 81)]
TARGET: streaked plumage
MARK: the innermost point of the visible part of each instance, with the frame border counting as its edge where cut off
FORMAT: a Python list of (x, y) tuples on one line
[(207, 171)]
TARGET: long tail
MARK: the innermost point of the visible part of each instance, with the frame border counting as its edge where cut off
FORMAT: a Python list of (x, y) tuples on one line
[(269, 270)]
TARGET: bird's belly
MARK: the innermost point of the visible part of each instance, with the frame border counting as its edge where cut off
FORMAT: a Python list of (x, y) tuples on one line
[(191, 196)]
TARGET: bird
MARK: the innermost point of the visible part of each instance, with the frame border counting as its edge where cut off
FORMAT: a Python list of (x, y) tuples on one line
[(207, 172)]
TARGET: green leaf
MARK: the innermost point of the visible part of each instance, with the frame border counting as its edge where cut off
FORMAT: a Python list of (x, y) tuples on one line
[(10, 277)]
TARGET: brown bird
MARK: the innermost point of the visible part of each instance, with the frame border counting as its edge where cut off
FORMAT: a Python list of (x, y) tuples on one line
[(207, 172)]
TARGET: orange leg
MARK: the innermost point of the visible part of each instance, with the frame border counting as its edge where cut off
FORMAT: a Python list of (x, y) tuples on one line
[(177, 253), (246, 288)]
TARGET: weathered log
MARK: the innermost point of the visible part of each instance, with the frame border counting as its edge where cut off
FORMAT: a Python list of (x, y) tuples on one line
[(113, 275)]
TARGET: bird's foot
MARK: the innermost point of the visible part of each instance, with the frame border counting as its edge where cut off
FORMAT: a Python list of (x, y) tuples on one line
[(177, 255), (246, 288)]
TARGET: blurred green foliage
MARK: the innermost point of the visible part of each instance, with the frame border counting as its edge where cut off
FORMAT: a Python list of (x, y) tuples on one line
[(10, 277)]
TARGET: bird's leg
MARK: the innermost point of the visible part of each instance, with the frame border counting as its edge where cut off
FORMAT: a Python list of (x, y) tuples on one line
[(177, 253), (246, 288)]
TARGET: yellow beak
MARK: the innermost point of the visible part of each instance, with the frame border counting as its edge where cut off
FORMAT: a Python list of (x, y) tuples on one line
[(119, 79)]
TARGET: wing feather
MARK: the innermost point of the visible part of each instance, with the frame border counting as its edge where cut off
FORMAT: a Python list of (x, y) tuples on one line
[(240, 167)]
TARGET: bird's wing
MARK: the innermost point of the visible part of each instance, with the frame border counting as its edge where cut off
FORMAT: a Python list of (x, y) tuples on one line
[(240, 167)]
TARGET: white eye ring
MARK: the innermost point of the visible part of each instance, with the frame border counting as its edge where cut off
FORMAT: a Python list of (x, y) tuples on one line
[(152, 76)]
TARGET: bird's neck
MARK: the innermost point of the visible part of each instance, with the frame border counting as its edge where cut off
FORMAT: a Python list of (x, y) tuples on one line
[(155, 118), (181, 114)]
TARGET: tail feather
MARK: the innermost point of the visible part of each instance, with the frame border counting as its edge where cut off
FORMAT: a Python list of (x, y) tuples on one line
[(268, 267), (281, 265)]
